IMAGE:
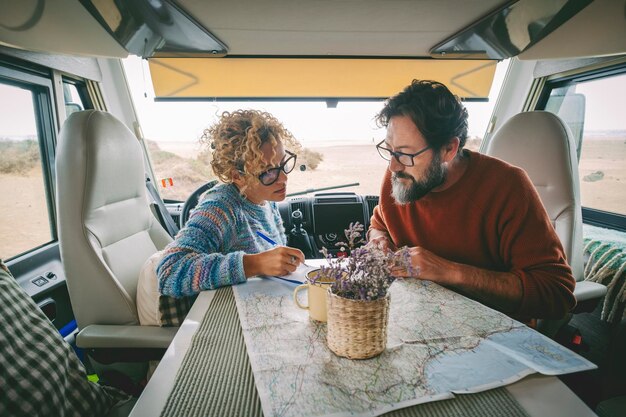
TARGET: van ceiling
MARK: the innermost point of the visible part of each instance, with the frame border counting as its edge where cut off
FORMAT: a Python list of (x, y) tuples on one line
[(252, 27), (408, 28), (337, 27)]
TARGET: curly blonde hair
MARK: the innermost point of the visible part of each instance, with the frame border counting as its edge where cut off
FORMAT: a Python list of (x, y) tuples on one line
[(236, 140)]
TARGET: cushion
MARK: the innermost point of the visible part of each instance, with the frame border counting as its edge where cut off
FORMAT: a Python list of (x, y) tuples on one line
[(39, 372), (153, 308), (148, 292)]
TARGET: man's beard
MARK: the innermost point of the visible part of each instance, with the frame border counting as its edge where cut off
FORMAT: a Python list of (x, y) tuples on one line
[(435, 176)]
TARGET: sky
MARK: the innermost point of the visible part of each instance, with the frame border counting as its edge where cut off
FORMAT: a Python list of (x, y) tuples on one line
[(12, 122)]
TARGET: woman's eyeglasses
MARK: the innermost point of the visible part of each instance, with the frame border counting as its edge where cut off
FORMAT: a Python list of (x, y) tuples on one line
[(270, 176), (405, 159)]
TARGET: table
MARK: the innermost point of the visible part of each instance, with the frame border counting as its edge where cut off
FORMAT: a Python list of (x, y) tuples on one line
[(538, 395)]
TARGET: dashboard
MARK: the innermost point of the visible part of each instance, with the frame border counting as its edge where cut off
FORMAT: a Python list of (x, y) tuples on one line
[(319, 220), (315, 221)]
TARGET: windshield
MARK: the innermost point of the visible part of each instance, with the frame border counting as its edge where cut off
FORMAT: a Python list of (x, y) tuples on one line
[(338, 143)]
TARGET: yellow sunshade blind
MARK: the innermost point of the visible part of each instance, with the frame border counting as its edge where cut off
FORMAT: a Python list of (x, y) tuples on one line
[(358, 78)]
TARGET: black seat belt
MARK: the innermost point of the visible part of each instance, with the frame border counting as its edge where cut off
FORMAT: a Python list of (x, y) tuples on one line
[(166, 218)]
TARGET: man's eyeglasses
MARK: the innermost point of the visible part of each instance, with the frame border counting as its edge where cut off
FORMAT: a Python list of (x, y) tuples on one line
[(405, 159), (270, 176)]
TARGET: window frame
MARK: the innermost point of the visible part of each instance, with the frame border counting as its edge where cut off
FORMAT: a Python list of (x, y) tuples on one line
[(40, 83), (81, 88), (590, 215)]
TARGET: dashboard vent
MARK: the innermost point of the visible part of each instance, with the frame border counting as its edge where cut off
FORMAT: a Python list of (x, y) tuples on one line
[(372, 201), (298, 206), (298, 203), (336, 200)]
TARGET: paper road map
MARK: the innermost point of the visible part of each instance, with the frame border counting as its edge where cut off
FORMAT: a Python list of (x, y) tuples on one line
[(439, 343)]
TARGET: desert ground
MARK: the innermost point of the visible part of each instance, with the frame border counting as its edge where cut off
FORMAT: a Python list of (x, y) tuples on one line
[(24, 222)]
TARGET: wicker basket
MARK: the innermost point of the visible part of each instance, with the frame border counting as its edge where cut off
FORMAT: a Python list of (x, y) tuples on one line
[(357, 329)]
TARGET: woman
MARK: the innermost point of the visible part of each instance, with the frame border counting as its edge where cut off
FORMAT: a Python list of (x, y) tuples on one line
[(221, 243)]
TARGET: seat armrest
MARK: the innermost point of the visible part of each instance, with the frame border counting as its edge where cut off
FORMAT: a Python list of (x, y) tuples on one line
[(587, 290), (588, 295), (116, 336)]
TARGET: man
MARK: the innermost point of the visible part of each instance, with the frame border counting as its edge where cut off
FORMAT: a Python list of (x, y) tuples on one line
[(473, 223)]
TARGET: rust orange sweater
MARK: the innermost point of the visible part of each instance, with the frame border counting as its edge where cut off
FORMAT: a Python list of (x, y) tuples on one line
[(491, 218)]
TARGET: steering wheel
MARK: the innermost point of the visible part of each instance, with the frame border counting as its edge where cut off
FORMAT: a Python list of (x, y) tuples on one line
[(192, 201)]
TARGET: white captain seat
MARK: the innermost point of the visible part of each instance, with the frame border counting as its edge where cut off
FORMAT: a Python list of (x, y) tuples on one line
[(106, 230), (541, 143)]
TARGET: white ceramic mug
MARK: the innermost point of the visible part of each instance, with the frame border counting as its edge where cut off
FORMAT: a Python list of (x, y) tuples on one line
[(316, 296)]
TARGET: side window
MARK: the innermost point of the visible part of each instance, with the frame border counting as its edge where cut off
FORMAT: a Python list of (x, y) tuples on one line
[(595, 112), (24, 218), (72, 98)]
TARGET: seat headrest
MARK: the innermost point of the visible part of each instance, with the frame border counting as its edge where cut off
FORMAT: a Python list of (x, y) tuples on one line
[(540, 143), (113, 160)]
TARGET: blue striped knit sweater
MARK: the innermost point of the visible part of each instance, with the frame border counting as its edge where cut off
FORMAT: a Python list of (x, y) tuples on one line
[(208, 252)]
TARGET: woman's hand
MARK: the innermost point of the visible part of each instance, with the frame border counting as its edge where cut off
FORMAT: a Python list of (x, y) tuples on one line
[(279, 261)]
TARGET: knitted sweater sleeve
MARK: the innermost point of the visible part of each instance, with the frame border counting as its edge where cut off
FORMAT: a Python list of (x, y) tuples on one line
[(197, 259), (533, 252)]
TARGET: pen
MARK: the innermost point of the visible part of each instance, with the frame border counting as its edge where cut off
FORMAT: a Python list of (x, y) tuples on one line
[(293, 281), (271, 242), (266, 238)]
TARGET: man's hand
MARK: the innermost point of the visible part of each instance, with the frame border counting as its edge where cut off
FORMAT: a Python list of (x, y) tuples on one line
[(499, 290), (279, 261), (381, 239), (427, 265)]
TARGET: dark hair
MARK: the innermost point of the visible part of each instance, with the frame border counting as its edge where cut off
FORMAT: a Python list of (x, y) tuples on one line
[(438, 114)]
